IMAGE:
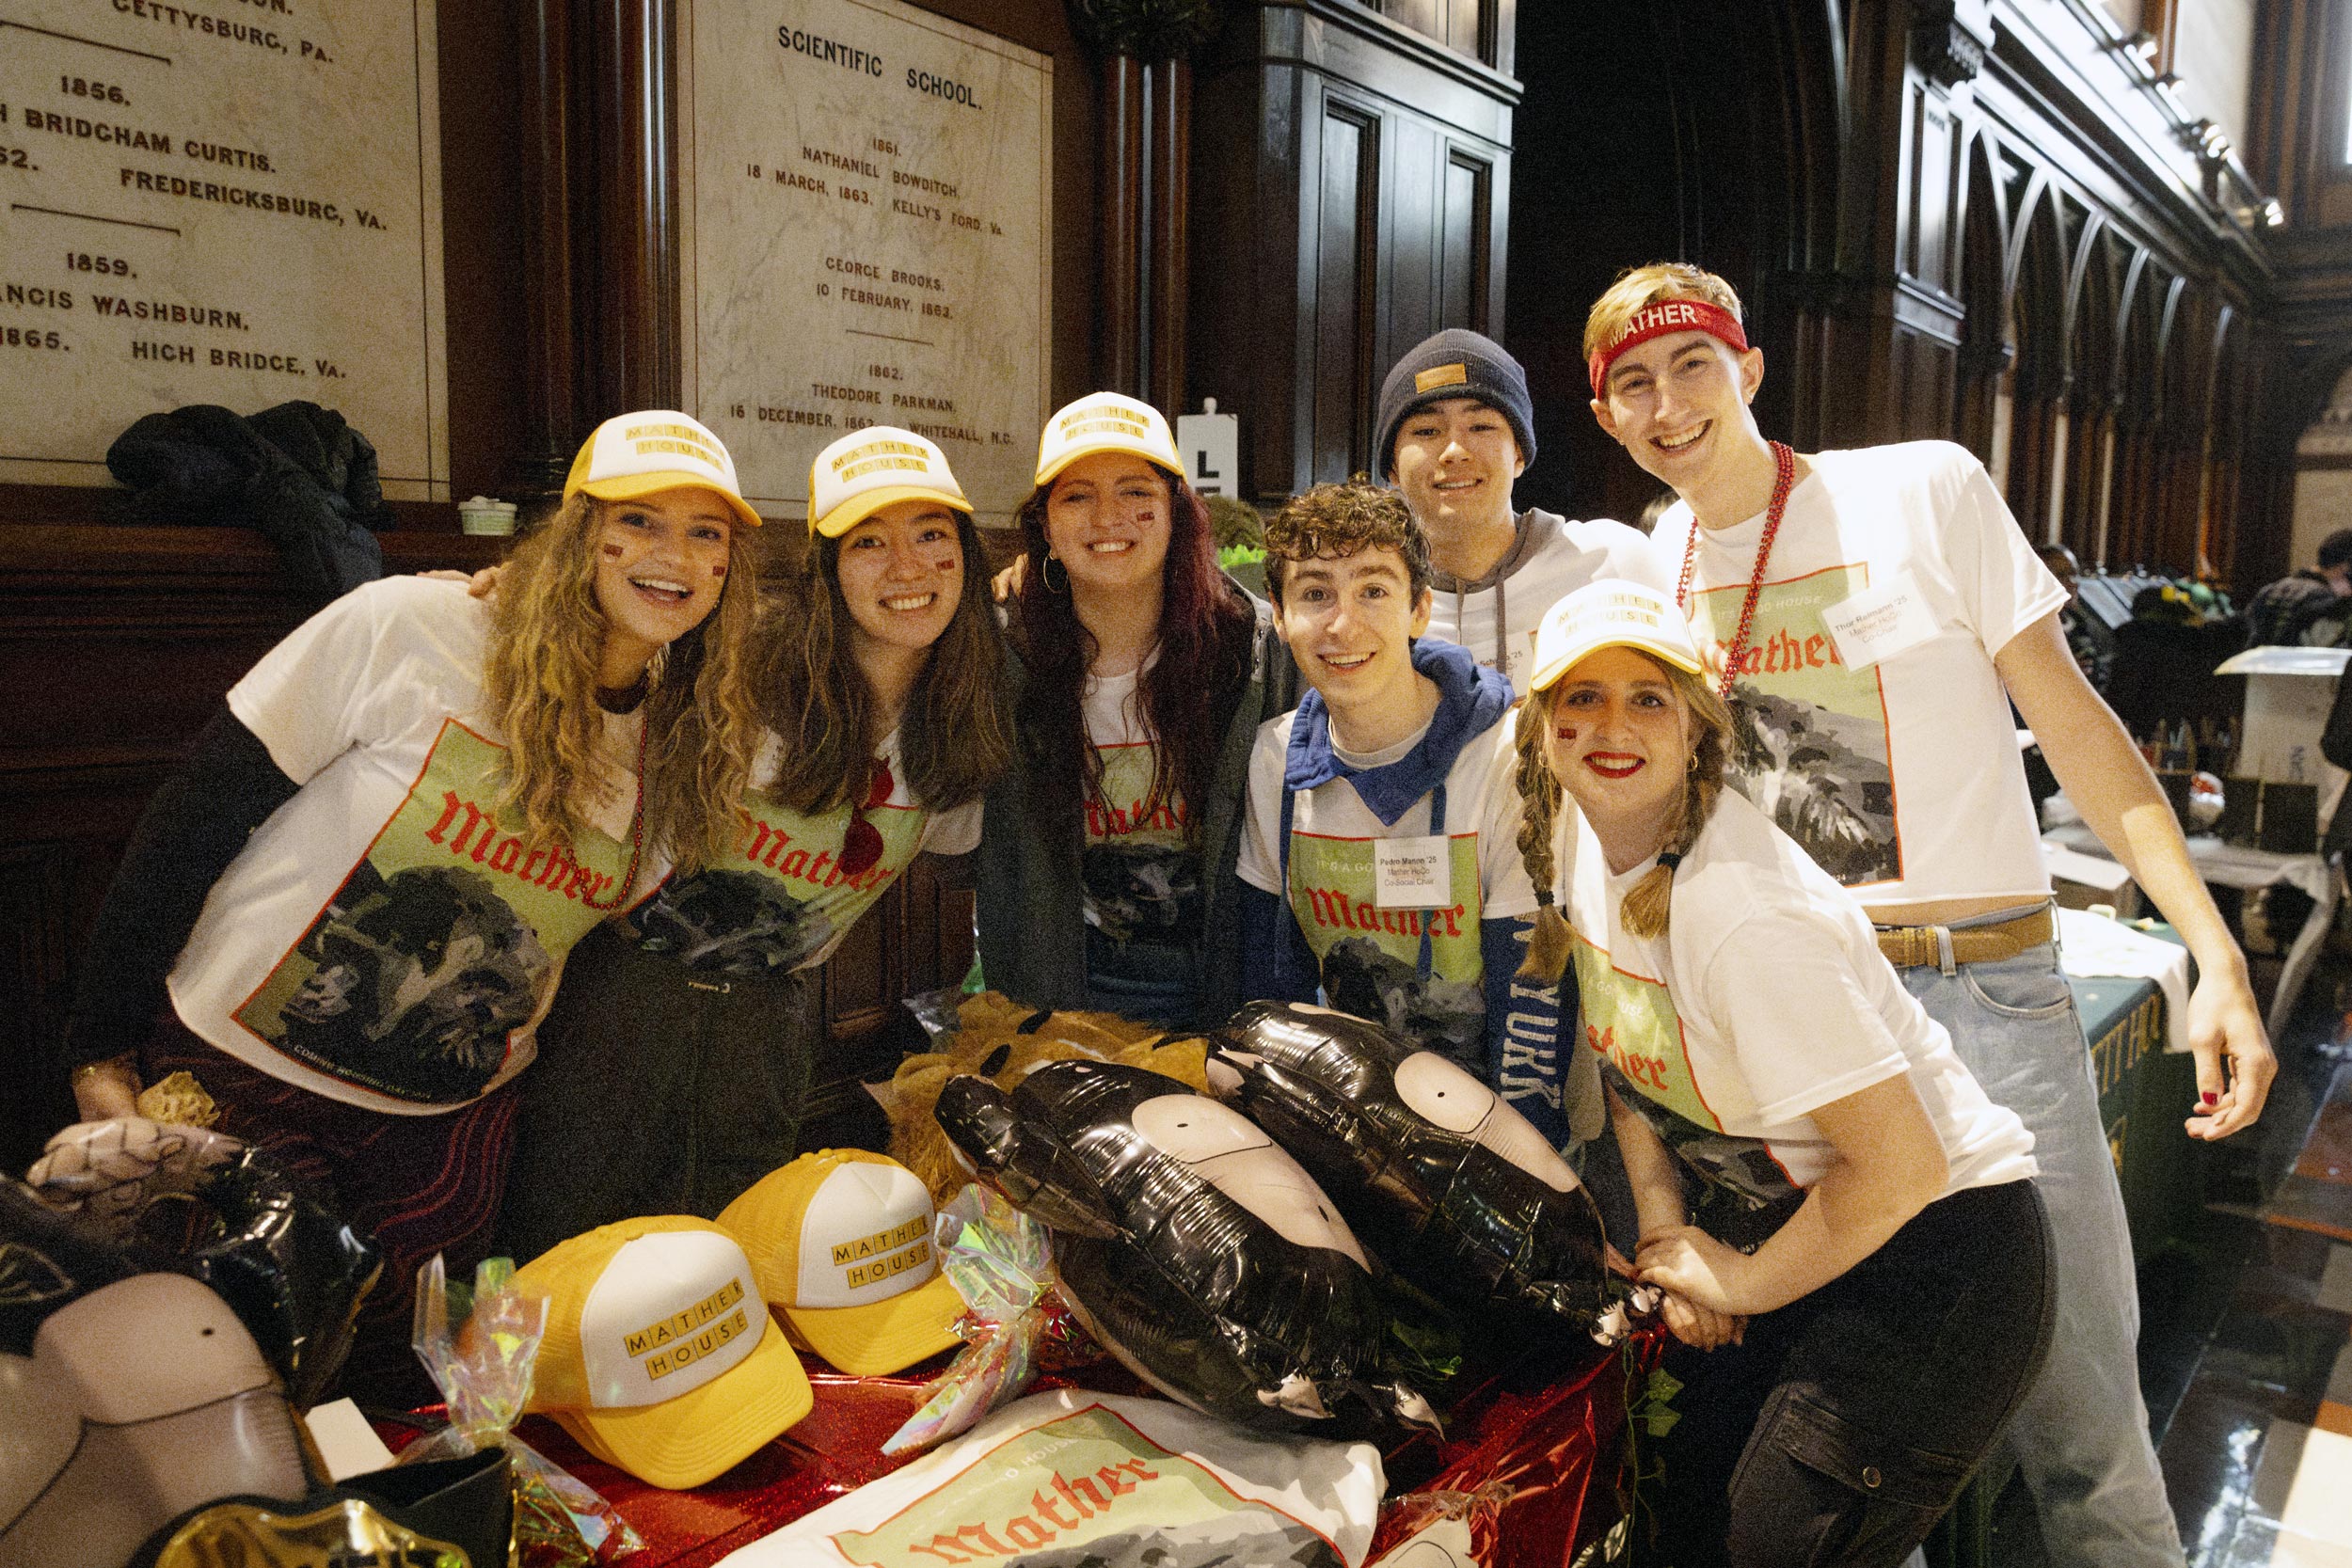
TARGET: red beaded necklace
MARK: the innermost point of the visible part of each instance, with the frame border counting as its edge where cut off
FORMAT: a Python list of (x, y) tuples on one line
[(1784, 476), (636, 831)]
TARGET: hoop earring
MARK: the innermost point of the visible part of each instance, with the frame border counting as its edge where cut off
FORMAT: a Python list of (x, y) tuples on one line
[(1045, 574)]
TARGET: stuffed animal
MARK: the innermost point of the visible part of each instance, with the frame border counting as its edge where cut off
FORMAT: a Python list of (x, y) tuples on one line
[(999, 1039)]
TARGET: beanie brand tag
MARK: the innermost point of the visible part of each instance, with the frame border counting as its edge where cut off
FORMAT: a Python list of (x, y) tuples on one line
[(1440, 375)]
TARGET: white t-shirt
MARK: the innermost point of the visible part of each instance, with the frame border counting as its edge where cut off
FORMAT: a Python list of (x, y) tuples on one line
[(777, 902), (1496, 618), (1073, 1476), (384, 939), (1766, 999), (1371, 957), (1902, 779), (1142, 880)]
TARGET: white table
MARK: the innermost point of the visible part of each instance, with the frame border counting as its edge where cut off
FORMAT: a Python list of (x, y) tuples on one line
[(2234, 865)]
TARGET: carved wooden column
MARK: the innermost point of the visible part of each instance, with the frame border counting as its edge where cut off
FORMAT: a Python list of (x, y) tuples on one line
[(635, 297), (1118, 218), (1143, 207), (553, 419)]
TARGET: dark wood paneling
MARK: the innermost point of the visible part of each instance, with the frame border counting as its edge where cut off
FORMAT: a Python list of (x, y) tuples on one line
[(1465, 253), (1358, 175), (1347, 160)]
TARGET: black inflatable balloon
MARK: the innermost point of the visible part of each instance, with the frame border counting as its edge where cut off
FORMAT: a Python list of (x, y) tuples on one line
[(292, 1269), (1444, 1180), (1197, 1251)]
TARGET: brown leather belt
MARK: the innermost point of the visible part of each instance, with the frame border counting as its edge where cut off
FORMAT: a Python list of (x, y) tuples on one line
[(1912, 947)]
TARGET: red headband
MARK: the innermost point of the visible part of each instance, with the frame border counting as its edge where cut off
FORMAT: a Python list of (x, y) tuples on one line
[(1669, 315)]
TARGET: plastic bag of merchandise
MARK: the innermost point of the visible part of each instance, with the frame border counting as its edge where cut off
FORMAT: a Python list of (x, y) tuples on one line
[(1075, 1477), (480, 1345), (1003, 1268)]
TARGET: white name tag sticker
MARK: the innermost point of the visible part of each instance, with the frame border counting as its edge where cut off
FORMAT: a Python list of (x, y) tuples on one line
[(1412, 873), (1880, 622)]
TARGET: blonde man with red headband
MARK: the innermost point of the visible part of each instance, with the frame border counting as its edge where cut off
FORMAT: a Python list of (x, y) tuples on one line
[(1871, 614)]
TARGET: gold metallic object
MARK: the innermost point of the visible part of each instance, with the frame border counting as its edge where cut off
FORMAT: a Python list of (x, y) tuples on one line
[(179, 1100), (251, 1535)]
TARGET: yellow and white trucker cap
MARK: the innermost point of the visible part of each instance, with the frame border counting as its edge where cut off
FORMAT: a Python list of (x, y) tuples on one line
[(842, 1242), (1104, 422), (867, 470), (658, 1356), (652, 450), (1611, 614)]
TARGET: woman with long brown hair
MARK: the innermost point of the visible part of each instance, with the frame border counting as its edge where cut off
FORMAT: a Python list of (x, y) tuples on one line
[(878, 681), (359, 892), (1142, 674), (1869, 1265)]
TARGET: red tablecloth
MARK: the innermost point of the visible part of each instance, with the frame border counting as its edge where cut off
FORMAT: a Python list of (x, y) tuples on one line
[(1545, 1456)]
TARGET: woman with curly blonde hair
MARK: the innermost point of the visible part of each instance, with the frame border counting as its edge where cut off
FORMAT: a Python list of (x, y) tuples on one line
[(1868, 1262), (359, 894)]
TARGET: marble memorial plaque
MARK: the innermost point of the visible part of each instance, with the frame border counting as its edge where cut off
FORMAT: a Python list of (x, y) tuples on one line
[(867, 191), (223, 201)]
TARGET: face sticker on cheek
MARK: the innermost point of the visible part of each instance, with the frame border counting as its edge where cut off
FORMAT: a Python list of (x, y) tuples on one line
[(613, 550), (720, 570), (1566, 733)]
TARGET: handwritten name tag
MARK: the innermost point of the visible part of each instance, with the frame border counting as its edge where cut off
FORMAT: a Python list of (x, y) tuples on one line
[(1412, 873), (1880, 622)]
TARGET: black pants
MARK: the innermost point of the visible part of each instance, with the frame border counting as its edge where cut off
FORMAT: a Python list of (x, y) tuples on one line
[(658, 1090), (1847, 1423)]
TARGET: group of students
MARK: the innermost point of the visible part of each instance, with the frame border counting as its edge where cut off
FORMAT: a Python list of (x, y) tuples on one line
[(1819, 1009)]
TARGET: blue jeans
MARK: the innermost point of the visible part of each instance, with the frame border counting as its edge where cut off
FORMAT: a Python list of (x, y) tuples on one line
[(2081, 1434)]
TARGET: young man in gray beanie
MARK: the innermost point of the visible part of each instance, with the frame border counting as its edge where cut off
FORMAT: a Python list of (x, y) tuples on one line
[(1455, 429)]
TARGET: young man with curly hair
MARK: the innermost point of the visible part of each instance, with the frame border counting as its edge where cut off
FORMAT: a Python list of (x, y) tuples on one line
[(1379, 858)]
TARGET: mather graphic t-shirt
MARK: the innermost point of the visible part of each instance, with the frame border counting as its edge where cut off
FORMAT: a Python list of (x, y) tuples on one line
[(1766, 999), (385, 938), (1900, 778), (779, 901), (1073, 1478), (1142, 882), (1370, 956)]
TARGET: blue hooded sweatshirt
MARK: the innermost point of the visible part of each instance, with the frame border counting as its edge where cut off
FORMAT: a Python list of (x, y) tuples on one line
[(1523, 1059)]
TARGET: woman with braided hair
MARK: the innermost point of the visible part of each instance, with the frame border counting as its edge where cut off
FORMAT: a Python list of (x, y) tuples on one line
[(1873, 1275)]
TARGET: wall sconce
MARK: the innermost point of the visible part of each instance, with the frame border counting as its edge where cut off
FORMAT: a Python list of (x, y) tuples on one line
[(2209, 141), (2140, 46), (2274, 216)]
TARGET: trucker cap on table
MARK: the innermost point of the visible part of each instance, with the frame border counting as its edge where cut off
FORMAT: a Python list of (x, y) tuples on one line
[(1104, 422), (867, 470), (656, 449), (658, 1356), (841, 1241), (1611, 614)]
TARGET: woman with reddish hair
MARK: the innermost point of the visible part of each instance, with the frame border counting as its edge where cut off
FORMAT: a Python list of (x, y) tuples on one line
[(1140, 675)]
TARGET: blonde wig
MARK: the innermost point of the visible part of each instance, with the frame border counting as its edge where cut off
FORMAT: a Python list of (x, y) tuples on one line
[(539, 679), (1648, 905)]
